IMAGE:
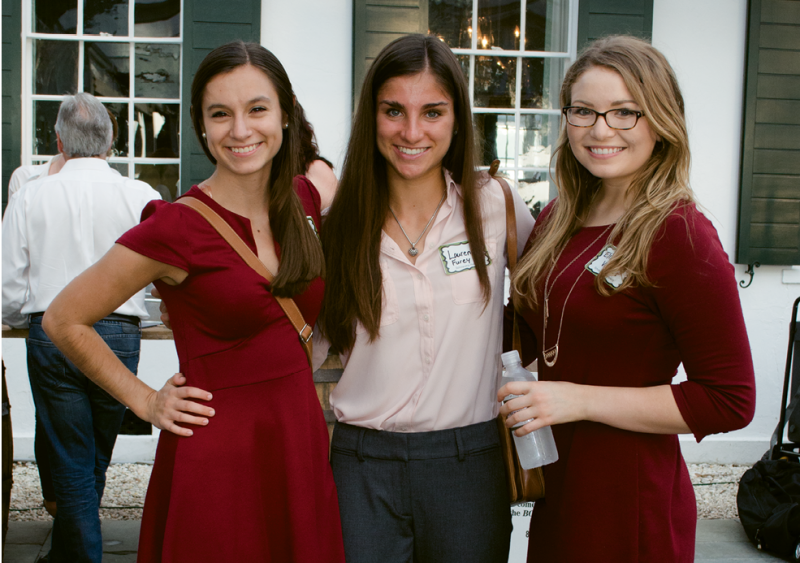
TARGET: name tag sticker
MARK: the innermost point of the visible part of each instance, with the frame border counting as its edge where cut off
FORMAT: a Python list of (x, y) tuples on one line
[(598, 262), (310, 220), (457, 257)]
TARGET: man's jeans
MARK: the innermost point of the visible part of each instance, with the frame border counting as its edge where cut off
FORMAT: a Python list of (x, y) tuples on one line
[(81, 422)]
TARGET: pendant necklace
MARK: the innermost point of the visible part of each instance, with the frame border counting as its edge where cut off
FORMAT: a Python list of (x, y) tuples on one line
[(550, 355), (413, 250)]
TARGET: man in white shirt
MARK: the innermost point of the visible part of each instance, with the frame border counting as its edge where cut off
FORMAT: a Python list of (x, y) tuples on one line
[(53, 230)]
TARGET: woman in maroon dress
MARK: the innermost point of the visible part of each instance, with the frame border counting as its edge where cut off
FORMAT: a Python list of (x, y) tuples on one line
[(624, 280), (252, 483)]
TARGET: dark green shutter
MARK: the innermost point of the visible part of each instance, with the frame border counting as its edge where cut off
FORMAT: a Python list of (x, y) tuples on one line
[(376, 23), (12, 91), (769, 205), (598, 18), (207, 25)]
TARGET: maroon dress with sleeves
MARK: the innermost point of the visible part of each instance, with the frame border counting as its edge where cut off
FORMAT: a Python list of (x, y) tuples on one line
[(255, 484), (621, 496)]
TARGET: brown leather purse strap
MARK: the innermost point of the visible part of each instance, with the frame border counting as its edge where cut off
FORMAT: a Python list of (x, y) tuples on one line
[(511, 241), (288, 305)]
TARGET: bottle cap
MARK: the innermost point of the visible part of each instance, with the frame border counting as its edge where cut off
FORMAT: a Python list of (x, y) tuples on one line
[(510, 358)]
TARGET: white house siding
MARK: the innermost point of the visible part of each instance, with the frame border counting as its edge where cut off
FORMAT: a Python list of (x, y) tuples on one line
[(704, 41)]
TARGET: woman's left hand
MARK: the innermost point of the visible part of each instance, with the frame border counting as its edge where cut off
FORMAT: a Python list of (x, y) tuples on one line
[(543, 403)]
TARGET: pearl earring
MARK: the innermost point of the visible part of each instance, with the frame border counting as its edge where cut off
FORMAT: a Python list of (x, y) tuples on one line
[(204, 135), (286, 125)]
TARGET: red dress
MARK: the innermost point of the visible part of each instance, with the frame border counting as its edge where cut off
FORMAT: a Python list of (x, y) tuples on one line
[(620, 496), (255, 484)]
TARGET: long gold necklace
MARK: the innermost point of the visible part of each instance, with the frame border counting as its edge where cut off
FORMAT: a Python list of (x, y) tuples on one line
[(550, 355)]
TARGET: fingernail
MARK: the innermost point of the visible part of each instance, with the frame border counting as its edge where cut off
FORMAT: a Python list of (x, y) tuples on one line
[(205, 421), (211, 413), (190, 432), (209, 396)]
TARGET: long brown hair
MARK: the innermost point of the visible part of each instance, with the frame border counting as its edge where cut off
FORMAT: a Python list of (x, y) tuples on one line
[(301, 253), (352, 233), (656, 189)]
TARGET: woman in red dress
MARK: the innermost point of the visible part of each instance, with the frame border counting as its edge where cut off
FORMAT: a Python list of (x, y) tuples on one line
[(624, 279), (241, 473)]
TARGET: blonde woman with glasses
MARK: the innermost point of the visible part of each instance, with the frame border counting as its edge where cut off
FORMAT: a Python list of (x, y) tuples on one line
[(623, 280)]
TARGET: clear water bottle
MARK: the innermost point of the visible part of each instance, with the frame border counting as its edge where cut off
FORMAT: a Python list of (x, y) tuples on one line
[(537, 448)]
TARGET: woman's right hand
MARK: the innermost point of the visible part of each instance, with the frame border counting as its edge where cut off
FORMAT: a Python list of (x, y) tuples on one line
[(172, 404)]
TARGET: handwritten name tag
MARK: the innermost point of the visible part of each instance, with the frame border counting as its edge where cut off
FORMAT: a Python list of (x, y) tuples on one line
[(457, 257), (598, 262)]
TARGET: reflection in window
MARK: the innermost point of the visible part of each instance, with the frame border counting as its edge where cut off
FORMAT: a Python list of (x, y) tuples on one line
[(44, 122), (495, 82), (496, 132), (55, 16), (498, 24), (120, 113), (534, 188), (156, 127), (157, 70), (107, 69), (55, 67), (105, 17), (451, 21), (157, 18)]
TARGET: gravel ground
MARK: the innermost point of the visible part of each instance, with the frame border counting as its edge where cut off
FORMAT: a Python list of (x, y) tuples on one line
[(714, 485)]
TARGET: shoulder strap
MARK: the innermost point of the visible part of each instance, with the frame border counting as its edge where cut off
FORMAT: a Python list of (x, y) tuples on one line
[(511, 241), (226, 231)]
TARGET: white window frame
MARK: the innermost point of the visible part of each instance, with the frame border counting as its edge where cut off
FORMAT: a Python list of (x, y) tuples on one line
[(569, 56), (29, 98)]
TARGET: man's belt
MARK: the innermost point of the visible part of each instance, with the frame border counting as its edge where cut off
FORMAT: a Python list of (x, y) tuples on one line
[(112, 317)]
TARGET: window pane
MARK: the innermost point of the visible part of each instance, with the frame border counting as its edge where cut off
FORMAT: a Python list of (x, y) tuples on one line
[(55, 16), (534, 188), (55, 69), (163, 178), (156, 130), (121, 167), (451, 21), (497, 134), (157, 72), (546, 25), (107, 17), (44, 121), (495, 79), (107, 69), (541, 82), (498, 24), (120, 113), (537, 135), (157, 18), (463, 62)]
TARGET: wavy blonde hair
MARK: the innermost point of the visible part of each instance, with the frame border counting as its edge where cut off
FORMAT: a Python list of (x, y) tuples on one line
[(656, 189)]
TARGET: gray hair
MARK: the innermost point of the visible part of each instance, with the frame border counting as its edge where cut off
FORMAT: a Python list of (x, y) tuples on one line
[(83, 126)]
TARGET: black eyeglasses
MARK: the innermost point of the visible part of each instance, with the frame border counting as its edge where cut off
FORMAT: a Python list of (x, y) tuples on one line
[(622, 119)]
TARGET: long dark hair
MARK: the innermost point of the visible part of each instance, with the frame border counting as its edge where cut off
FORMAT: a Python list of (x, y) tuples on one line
[(301, 253), (352, 233)]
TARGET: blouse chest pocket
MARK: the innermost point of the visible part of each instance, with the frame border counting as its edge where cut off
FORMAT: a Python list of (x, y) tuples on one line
[(465, 283), (390, 309)]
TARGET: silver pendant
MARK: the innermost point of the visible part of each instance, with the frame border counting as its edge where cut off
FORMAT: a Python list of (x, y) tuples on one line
[(413, 251)]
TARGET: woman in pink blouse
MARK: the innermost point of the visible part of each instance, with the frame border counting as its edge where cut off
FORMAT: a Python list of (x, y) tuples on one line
[(417, 320), (624, 280)]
